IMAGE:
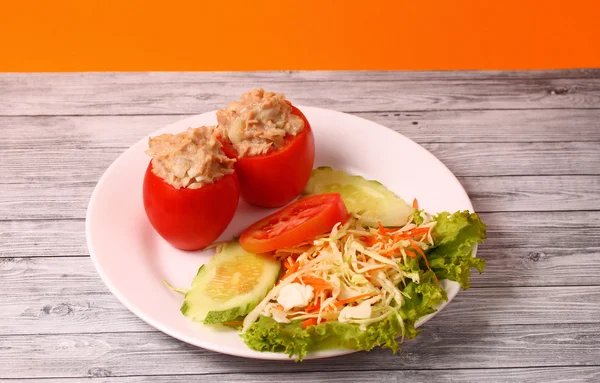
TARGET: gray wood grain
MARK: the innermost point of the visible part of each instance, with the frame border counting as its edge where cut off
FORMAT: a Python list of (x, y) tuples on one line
[(45, 238), (578, 230), (491, 375), (514, 256), (177, 93), (530, 193), (57, 295), (68, 200), (66, 310), (557, 125), (58, 164), (525, 145), (450, 345), (21, 79), (545, 265)]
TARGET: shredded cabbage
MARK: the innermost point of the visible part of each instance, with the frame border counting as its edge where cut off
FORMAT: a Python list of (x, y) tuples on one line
[(349, 266)]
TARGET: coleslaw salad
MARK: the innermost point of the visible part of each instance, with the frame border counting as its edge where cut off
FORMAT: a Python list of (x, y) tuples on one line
[(361, 287)]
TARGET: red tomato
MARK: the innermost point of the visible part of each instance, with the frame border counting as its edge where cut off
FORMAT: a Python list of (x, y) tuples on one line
[(276, 178), (298, 222), (190, 219)]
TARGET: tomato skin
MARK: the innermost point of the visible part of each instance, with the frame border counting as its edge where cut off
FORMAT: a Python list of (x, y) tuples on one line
[(276, 178), (300, 221), (190, 219)]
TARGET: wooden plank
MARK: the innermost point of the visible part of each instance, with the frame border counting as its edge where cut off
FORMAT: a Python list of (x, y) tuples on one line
[(559, 125), (527, 231), (53, 165), (558, 193), (62, 165), (89, 132), (489, 375), (54, 312), (517, 250), (65, 295), (523, 159), (47, 201), (168, 93), (521, 264), (153, 353), (46, 238), (54, 79), (68, 314), (521, 257), (546, 265), (68, 200)]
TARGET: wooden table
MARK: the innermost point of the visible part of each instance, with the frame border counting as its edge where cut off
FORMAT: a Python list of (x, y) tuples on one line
[(526, 146)]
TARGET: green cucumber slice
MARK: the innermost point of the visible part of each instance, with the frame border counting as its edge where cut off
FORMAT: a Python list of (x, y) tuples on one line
[(370, 198), (230, 285)]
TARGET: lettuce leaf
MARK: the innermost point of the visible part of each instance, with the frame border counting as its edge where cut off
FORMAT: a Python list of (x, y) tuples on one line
[(291, 338), (454, 235), (424, 296), (416, 217)]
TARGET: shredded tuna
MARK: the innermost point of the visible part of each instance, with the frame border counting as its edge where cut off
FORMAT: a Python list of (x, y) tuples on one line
[(258, 122), (189, 159)]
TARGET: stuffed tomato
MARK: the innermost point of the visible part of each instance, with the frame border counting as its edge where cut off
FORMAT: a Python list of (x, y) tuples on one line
[(190, 188), (273, 144)]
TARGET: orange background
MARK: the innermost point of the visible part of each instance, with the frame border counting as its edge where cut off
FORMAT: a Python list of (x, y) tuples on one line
[(137, 35)]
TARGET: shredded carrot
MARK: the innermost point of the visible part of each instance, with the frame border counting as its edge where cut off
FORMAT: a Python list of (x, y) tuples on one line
[(385, 230), (420, 230), (290, 271), (381, 228), (314, 307), (410, 253), (388, 252), (415, 204), (290, 263), (420, 251), (310, 322), (317, 283), (369, 240), (411, 233), (354, 299)]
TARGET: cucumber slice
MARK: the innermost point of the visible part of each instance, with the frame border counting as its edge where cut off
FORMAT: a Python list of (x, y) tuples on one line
[(230, 285), (370, 198)]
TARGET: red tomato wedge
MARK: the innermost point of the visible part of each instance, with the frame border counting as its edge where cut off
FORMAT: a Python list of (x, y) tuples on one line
[(298, 222), (276, 178)]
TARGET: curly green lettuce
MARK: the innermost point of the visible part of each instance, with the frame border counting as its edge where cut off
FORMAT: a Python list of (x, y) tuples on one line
[(454, 236), (291, 338)]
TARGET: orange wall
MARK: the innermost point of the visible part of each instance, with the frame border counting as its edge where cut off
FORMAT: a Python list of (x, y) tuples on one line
[(97, 35)]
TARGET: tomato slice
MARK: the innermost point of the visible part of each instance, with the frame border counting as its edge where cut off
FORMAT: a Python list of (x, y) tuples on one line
[(298, 222)]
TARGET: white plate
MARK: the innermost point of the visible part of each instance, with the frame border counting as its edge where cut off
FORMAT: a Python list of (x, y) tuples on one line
[(133, 260)]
